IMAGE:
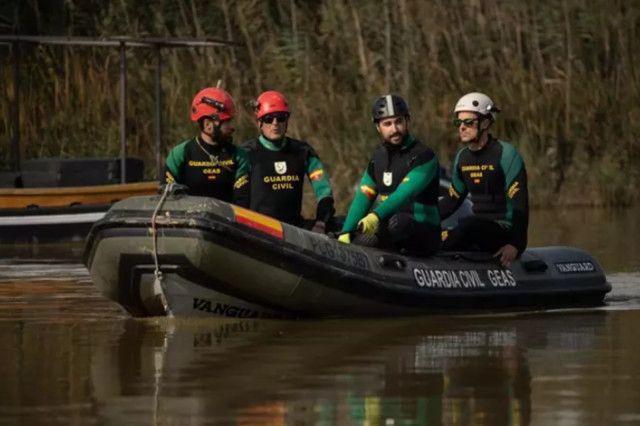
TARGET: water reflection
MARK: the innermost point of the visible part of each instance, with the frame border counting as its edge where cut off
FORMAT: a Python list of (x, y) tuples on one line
[(69, 356), (440, 371), (546, 368), (55, 253)]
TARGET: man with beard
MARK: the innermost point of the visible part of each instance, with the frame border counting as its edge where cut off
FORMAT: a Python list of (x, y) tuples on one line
[(404, 173), (210, 165), (279, 165), (493, 172)]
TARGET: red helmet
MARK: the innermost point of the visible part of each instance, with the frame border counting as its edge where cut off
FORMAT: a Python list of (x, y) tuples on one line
[(212, 101), (270, 102)]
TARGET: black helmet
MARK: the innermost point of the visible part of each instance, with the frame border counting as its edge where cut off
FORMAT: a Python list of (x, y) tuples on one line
[(389, 106)]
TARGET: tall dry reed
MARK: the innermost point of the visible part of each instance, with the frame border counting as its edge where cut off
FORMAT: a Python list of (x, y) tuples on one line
[(563, 71)]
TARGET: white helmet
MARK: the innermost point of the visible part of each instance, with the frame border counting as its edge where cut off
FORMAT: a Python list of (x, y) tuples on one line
[(477, 102)]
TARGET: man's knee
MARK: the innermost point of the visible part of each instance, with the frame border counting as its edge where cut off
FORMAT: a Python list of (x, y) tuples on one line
[(475, 234), (400, 224), (366, 240)]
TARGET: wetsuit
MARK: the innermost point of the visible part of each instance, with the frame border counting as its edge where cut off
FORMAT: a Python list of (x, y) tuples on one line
[(496, 178), (218, 171), (406, 177), (277, 179)]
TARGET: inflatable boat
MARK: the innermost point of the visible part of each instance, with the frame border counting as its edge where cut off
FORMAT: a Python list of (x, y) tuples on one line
[(179, 255)]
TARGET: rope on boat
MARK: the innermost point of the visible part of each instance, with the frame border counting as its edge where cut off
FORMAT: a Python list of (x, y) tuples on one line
[(159, 277)]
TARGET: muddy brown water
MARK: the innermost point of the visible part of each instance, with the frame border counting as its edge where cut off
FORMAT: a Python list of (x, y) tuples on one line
[(68, 356)]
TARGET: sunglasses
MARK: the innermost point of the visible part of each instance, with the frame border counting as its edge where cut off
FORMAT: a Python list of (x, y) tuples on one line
[(280, 117), (467, 121)]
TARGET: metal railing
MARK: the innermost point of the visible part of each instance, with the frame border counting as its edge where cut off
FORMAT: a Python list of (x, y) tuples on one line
[(156, 43)]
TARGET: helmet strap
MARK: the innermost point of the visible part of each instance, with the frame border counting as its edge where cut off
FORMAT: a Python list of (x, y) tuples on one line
[(219, 137), (481, 131), (388, 144), (216, 135)]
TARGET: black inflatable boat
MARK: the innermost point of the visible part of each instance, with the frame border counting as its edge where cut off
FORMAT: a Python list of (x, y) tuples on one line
[(174, 254)]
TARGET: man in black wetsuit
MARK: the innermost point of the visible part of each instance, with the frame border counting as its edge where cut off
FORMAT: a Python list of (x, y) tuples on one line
[(210, 165), (404, 173), (493, 172), (279, 165)]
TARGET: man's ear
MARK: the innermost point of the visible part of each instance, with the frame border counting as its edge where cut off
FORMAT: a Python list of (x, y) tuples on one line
[(486, 123), (203, 122)]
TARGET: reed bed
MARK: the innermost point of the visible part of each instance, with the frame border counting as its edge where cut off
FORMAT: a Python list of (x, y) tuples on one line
[(564, 72)]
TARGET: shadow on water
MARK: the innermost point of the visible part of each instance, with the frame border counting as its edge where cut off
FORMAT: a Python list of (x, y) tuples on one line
[(510, 370)]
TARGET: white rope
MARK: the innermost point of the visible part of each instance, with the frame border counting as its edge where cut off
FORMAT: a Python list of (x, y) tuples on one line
[(159, 278)]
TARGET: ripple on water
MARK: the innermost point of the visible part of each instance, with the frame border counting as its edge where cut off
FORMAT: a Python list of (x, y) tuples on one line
[(50, 271), (625, 292), (51, 291)]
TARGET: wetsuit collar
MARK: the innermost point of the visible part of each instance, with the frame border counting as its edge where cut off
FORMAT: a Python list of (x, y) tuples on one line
[(272, 146), (489, 143), (209, 147)]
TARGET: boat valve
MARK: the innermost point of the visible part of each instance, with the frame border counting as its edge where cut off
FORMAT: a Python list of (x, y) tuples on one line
[(390, 261)]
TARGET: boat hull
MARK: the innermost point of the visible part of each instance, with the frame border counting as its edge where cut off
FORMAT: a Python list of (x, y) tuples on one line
[(215, 259)]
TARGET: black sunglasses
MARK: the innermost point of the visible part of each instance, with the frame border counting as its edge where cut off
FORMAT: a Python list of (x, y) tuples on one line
[(280, 117), (467, 121)]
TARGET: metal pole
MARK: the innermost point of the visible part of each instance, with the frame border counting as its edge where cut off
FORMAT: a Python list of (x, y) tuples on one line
[(159, 152), (123, 113), (16, 107)]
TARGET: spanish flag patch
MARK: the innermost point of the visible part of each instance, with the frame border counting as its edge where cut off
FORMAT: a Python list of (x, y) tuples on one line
[(368, 191), (316, 175), (257, 221)]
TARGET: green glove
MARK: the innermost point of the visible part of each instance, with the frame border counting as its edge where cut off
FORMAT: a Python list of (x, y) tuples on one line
[(369, 224)]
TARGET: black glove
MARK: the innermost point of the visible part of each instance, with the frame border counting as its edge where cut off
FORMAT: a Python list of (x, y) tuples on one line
[(325, 210)]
